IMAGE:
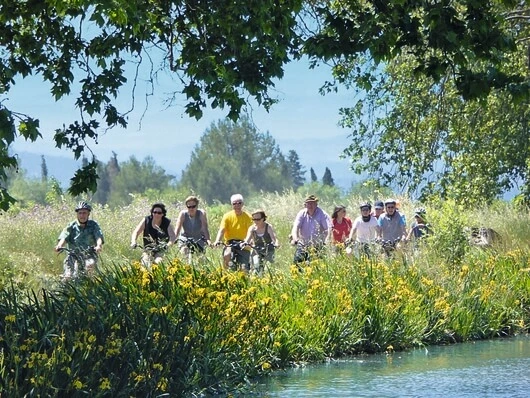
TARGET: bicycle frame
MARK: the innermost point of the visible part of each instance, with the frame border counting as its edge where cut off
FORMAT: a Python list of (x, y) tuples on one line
[(234, 263), (192, 247), (79, 262), (259, 258), (151, 252)]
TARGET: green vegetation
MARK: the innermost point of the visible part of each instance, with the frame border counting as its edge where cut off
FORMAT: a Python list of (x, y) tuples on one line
[(227, 54), (184, 331), (236, 157)]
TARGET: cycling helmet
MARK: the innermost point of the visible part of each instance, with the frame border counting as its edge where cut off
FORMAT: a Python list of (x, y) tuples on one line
[(366, 204), (83, 206), (420, 211), (390, 201)]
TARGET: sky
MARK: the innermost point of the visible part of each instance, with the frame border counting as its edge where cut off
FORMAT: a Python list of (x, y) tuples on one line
[(303, 120)]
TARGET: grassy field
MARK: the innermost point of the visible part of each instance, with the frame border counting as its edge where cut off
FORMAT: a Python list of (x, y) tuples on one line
[(183, 330)]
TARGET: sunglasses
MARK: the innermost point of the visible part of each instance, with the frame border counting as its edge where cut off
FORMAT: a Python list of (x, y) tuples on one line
[(257, 219), (237, 203), (158, 212), (191, 206)]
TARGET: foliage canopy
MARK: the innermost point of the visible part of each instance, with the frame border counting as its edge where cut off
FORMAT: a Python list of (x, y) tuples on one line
[(224, 53)]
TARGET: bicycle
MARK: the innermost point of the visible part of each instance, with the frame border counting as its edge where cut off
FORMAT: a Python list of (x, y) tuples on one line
[(236, 255), (362, 249), (152, 252), (389, 246), (261, 255), (79, 262), (305, 252), (192, 246)]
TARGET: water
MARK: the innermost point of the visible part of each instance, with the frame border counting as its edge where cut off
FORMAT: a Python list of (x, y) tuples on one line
[(493, 368)]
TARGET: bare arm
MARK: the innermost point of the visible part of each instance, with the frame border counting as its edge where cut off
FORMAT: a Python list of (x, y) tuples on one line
[(180, 221), (171, 233), (353, 232), (205, 227), (274, 238), (60, 244), (220, 234), (248, 238), (137, 231)]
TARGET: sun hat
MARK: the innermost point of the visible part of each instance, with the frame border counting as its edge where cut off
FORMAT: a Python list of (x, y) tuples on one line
[(311, 198)]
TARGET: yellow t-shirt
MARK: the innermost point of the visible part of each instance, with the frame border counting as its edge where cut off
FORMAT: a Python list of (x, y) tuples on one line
[(236, 227)]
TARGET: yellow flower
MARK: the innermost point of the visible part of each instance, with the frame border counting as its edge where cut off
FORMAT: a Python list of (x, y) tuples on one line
[(104, 384), (265, 366), (10, 318), (77, 384)]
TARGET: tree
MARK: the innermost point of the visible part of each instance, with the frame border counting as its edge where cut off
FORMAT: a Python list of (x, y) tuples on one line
[(327, 179), (219, 51), (235, 157), (296, 170), (135, 177), (419, 134), (224, 53), (314, 177), (43, 170), (422, 137), (463, 40)]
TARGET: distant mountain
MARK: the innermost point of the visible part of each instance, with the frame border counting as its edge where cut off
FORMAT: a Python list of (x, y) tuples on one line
[(63, 168)]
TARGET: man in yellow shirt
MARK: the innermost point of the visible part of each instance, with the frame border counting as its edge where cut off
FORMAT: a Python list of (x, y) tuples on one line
[(232, 231)]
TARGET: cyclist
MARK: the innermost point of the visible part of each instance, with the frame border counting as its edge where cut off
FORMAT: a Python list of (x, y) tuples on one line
[(311, 230), (158, 234), (391, 226), (232, 231), (341, 227), (419, 228), (364, 228), (192, 224), (379, 208), (84, 235), (262, 236)]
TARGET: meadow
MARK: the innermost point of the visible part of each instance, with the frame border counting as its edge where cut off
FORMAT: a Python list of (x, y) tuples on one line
[(180, 330)]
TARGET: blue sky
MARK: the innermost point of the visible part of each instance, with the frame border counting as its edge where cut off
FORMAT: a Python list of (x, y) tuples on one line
[(303, 120)]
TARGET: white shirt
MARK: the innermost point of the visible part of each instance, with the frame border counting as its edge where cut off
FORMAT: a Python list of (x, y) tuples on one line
[(365, 232)]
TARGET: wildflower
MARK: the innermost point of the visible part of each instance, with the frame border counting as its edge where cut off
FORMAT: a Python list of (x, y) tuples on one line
[(265, 366), (10, 318), (77, 384), (104, 384)]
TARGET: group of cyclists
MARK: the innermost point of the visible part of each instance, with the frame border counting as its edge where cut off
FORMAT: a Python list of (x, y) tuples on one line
[(248, 240)]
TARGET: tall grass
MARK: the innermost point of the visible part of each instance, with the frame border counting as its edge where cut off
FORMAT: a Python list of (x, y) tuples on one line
[(180, 330)]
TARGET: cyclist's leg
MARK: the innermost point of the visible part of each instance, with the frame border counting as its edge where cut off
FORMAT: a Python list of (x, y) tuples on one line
[(147, 260), (158, 257), (242, 258), (227, 257), (68, 267), (91, 265), (301, 255)]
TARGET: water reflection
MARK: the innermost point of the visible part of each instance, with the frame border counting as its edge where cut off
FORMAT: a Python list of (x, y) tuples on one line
[(493, 368)]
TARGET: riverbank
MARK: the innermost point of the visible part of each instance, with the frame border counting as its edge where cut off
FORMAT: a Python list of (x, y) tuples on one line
[(187, 331)]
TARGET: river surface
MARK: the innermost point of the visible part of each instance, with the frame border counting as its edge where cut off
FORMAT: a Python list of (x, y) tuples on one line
[(490, 368)]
